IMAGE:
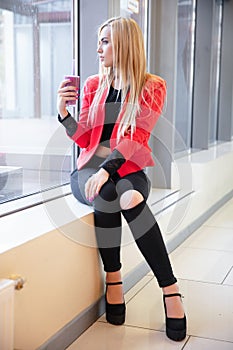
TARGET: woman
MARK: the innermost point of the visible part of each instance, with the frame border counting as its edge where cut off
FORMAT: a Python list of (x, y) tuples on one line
[(120, 107)]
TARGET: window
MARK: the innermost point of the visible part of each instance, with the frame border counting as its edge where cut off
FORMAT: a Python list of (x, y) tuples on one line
[(185, 70), (36, 52), (138, 11), (215, 70)]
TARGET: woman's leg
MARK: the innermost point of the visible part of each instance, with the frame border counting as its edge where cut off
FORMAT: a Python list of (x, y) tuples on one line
[(150, 242), (133, 190), (78, 178), (148, 236), (107, 218)]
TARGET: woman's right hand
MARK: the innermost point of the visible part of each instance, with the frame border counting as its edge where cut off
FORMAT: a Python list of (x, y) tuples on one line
[(64, 94)]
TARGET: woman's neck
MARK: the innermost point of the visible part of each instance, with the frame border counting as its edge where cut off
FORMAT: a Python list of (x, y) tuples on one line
[(116, 84)]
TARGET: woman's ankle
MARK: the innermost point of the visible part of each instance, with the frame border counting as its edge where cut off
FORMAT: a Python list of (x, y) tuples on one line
[(113, 276), (174, 288), (174, 304), (114, 292)]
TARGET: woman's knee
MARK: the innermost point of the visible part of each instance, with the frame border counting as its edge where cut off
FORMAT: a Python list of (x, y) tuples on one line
[(108, 191), (130, 199), (107, 200)]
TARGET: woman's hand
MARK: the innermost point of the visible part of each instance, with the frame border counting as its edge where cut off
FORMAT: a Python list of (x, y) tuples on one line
[(64, 94), (94, 184)]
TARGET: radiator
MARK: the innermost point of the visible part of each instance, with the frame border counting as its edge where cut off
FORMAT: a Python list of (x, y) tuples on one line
[(7, 314)]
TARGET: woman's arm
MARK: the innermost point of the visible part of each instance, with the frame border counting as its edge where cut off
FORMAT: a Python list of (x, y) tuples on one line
[(64, 94), (79, 131)]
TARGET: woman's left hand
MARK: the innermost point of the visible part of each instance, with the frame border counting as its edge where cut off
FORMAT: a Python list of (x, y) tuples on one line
[(94, 184)]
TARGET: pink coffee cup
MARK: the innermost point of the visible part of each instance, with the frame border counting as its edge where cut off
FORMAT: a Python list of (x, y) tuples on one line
[(74, 81)]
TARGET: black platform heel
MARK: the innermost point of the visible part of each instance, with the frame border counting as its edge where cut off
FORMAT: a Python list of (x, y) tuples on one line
[(115, 313), (175, 327)]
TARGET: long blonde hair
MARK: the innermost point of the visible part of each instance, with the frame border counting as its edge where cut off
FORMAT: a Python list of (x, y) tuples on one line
[(129, 64)]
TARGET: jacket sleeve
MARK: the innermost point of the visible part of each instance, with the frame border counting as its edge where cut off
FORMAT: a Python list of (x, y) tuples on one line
[(151, 108), (69, 123), (113, 162)]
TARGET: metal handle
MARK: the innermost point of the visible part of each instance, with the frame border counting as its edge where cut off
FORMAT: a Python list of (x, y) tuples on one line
[(19, 281)]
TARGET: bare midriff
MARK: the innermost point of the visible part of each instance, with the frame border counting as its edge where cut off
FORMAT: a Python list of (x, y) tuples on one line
[(102, 151)]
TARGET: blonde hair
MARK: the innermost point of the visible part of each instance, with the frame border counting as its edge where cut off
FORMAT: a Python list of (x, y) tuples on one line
[(129, 64)]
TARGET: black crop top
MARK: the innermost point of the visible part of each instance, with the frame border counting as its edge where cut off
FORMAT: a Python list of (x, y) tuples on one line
[(112, 109)]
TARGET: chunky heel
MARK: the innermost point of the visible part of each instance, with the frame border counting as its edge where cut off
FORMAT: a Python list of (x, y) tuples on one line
[(115, 313), (175, 327)]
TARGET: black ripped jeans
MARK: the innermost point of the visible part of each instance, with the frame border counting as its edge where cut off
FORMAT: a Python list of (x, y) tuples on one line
[(108, 226)]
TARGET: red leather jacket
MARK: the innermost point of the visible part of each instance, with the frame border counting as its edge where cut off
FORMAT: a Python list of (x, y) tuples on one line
[(135, 150)]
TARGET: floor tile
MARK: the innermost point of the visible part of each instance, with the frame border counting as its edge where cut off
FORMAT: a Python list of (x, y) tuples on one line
[(102, 336), (214, 238), (146, 308), (135, 289), (132, 292), (209, 309), (201, 264), (207, 344), (229, 279), (223, 217)]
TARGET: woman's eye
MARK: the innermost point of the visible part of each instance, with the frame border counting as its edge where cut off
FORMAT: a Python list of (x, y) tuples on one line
[(105, 42)]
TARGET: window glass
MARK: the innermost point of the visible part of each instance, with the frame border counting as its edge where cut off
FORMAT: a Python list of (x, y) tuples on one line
[(185, 67), (138, 11), (36, 52), (215, 70)]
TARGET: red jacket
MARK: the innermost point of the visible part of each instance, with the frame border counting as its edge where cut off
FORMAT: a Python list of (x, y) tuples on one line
[(136, 150)]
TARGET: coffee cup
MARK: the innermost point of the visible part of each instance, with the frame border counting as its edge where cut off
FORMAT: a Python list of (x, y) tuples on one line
[(74, 81)]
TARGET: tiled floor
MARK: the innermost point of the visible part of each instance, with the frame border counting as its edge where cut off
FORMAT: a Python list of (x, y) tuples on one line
[(204, 267)]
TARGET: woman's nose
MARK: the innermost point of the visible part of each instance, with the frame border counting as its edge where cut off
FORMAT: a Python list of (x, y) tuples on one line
[(99, 49)]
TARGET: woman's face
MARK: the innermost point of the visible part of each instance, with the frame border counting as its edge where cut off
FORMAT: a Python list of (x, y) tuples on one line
[(105, 47)]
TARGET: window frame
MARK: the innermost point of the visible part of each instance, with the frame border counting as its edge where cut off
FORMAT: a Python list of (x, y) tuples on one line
[(25, 201)]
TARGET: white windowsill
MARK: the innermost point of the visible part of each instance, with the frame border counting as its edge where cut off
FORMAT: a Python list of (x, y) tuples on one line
[(24, 225), (34, 220), (208, 155)]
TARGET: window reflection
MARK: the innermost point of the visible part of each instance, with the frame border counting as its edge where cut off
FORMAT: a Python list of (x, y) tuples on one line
[(185, 66), (138, 11), (36, 52), (215, 70)]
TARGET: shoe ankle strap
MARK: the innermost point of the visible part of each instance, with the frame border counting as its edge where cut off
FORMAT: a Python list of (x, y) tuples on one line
[(172, 295), (113, 283)]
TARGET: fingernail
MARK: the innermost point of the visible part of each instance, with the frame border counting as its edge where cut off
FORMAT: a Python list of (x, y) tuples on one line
[(91, 199)]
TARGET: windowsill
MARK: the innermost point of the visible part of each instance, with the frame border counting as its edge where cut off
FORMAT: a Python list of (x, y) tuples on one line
[(20, 226), (204, 156), (24, 225), (29, 201), (190, 170)]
